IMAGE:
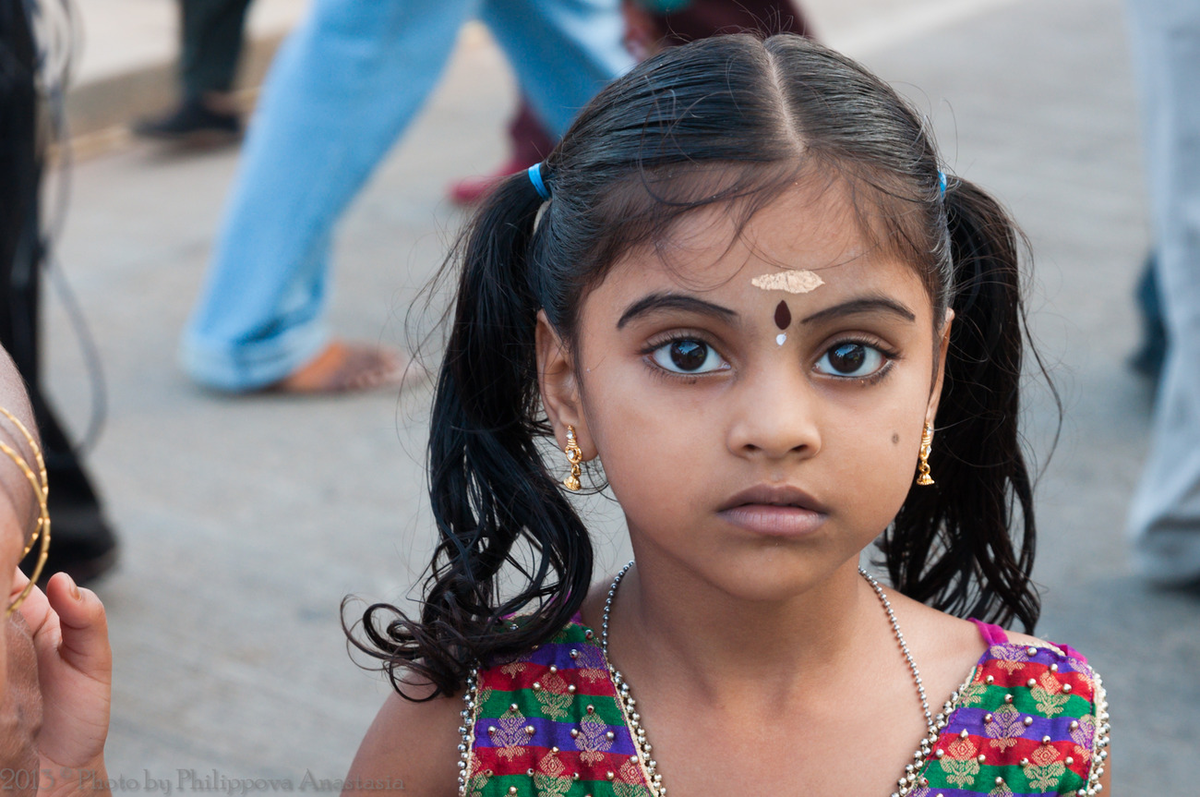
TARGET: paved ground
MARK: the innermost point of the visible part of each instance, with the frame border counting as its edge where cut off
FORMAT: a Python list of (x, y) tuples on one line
[(246, 522)]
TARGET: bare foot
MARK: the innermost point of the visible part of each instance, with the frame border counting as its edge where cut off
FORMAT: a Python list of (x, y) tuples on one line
[(350, 367)]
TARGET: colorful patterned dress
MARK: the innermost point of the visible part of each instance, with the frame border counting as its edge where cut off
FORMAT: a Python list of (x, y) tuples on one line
[(1026, 721)]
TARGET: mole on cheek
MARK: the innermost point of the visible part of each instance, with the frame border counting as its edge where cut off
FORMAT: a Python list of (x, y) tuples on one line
[(895, 438), (783, 316)]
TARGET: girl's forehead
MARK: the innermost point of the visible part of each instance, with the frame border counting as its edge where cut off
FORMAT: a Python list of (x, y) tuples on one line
[(808, 237)]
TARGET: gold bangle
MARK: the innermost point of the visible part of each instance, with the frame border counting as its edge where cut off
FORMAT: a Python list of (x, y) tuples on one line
[(41, 489)]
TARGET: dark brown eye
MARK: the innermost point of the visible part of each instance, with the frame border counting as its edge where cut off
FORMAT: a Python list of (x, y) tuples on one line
[(847, 358), (688, 356), (851, 359)]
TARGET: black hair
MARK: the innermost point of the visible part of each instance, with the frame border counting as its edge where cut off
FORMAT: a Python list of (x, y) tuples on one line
[(731, 120)]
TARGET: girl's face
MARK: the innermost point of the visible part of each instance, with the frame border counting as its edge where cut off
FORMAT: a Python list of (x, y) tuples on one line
[(757, 436)]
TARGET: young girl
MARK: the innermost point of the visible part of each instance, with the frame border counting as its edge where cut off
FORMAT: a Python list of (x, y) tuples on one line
[(743, 284)]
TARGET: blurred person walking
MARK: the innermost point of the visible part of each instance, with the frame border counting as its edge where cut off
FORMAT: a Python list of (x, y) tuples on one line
[(650, 25), (212, 36), (85, 545), (1164, 517), (344, 87)]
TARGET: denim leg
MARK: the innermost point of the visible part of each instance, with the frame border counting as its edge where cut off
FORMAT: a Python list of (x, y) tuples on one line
[(563, 51), (340, 92), (1165, 513)]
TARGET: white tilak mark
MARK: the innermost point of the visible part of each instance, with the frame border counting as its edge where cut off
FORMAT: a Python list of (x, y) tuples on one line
[(793, 281), (781, 338)]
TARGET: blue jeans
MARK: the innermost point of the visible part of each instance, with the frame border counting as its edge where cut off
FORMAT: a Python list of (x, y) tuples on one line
[(342, 90), (1164, 517)]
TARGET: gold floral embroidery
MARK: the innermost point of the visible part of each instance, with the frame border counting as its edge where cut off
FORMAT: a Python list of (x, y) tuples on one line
[(591, 665), (972, 693), (1044, 770), (510, 735), (514, 668), (1001, 790), (549, 779), (629, 781), (553, 696), (1049, 695), (630, 790), (1005, 727), (478, 780), (1009, 658), (959, 764), (592, 740)]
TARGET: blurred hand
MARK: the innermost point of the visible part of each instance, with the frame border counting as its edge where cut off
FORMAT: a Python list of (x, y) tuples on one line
[(74, 663), (20, 710)]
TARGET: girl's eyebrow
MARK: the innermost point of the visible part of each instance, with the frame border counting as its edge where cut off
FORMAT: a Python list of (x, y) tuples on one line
[(674, 301), (865, 304)]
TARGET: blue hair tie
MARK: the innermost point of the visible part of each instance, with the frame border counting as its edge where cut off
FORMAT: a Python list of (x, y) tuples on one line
[(535, 177), (942, 183)]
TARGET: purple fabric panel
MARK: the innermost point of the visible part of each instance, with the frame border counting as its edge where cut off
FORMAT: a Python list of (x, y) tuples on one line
[(969, 793), (971, 719), (548, 733), (560, 656)]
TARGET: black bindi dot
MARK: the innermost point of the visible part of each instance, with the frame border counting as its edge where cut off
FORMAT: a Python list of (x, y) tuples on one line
[(895, 438), (783, 316)]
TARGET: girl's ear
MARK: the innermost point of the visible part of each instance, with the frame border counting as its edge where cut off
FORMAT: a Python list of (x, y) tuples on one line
[(939, 375), (559, 386)]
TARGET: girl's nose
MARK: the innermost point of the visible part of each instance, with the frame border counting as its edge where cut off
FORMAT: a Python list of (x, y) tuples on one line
[(777, 415)]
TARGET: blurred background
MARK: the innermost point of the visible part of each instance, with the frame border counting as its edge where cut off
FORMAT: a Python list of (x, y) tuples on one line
[(244, 522)]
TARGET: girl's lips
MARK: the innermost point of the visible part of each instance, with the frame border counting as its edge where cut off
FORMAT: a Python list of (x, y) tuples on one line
[(775, 521)]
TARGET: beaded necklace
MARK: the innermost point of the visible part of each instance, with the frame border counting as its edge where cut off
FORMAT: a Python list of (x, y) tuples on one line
[(906, 783)]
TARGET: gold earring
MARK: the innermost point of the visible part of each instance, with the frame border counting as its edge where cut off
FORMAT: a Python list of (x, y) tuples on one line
[(574, 456), (923, 477)]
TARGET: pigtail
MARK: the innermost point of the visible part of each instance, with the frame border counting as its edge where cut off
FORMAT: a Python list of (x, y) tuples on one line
[(488, 485), (954, 544)]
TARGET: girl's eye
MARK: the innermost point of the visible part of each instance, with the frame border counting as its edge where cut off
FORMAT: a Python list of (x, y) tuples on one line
[(853, 360), (688, 356)]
